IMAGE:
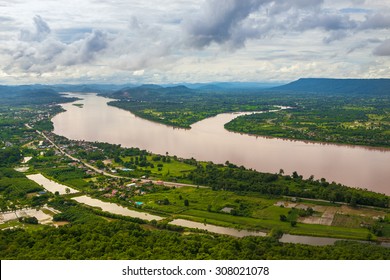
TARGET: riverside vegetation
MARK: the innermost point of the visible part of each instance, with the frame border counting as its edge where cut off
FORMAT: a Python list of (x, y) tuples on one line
[(235, 197)]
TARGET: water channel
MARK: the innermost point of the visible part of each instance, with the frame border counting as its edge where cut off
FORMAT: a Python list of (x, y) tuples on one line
[(115, 208)]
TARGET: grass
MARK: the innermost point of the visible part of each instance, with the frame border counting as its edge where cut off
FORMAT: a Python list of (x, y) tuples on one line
[(263, 224), (173, 169), (48, 212), (271, 212), (17, 224), (260, 213), (320, 203), (386, 230), (200, 199), (351, 221)]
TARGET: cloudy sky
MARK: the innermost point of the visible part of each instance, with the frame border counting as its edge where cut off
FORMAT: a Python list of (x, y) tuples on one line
[(161, 41)]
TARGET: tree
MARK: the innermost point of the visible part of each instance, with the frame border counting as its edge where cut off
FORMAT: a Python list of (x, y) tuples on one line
[(100, 164), (353, 201), (67, 190), (293, 223), (283, 218), (13, 207), (50, 153), (29, 220), (186, 203), (295, 175), (3, 205)]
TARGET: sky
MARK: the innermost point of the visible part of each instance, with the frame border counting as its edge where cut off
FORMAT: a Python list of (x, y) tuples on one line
[(160, 41)]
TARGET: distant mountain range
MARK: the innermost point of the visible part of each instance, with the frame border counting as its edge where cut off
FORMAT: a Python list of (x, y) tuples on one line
[(230, 85), (313, 85), (347, 86), (149, 91)]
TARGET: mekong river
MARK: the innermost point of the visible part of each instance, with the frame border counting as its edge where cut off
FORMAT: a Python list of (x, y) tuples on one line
[(208, 141)]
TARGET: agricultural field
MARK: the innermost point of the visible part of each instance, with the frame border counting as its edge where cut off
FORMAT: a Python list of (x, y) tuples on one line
[(256, 212)]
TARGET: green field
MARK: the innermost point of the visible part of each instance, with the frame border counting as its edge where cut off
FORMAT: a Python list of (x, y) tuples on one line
[(173, 168), (251, 212)]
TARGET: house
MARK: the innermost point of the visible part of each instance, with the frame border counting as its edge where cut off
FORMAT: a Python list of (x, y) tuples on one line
[(127, 169)]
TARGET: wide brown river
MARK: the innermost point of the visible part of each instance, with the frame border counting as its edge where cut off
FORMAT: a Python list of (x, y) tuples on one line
[(208, 141)]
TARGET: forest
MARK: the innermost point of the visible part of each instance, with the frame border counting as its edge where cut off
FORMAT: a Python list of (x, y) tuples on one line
[(126, 241)]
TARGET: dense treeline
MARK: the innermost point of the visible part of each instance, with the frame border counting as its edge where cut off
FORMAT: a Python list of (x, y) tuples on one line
[(241, 180), (10, 156), (125, 240), (15, 187)]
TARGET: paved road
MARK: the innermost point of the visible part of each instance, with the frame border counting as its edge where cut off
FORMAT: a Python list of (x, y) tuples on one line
[(168, 184)]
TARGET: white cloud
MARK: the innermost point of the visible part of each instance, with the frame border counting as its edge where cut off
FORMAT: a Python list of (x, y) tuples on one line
[(139, 72), (161, 41)]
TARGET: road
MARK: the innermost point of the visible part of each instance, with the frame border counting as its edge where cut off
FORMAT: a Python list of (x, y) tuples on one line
[(157, 182)]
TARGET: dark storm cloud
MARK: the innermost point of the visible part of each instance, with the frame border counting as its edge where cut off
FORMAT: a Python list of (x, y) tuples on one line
[(218, 20), (232, 22)]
